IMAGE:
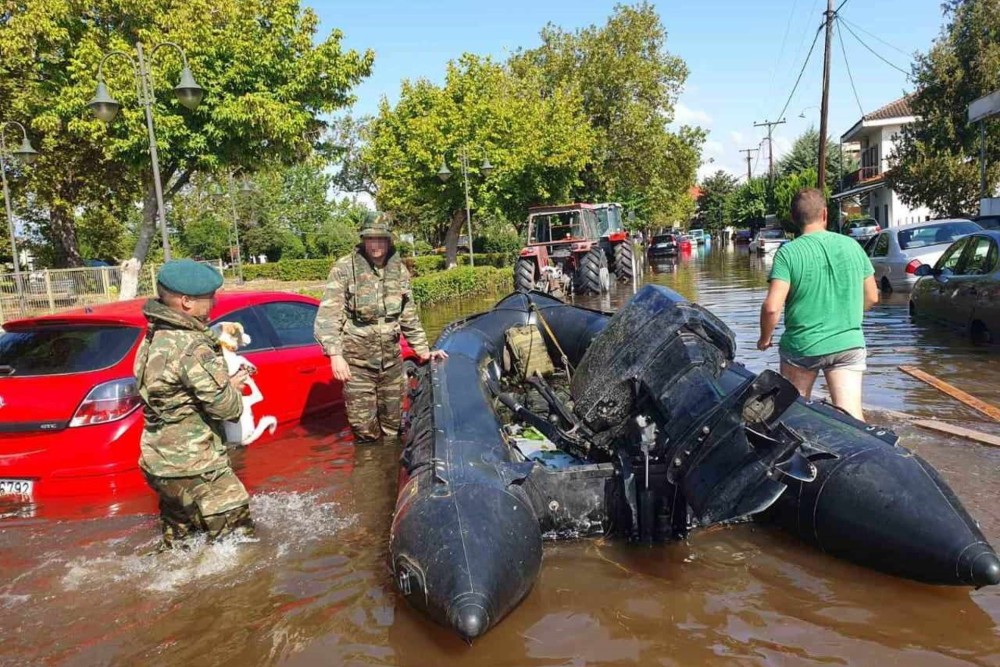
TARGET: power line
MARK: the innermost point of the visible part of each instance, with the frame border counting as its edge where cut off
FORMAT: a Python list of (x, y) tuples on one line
[(874, 36), (802, 71), (840, 38), (843, 2), (873, 52)]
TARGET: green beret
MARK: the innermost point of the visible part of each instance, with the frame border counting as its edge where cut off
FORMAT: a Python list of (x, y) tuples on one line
[(188, 277)]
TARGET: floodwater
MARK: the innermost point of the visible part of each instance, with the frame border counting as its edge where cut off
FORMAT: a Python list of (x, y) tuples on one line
[(313, 587)]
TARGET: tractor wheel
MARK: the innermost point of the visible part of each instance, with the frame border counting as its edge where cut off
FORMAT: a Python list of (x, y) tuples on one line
[(624, 262), (524, 275), (592, 277)]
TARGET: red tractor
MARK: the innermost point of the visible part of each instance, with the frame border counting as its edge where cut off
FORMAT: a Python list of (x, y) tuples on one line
[(563, 252), (570, 248)]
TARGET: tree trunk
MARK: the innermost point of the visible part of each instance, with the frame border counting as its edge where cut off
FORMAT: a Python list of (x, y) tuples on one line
[(63, 229), (147, 229), (451, 238)]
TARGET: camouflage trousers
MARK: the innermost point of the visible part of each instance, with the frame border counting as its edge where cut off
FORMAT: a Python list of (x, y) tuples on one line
[(374, 403), (215, 503)]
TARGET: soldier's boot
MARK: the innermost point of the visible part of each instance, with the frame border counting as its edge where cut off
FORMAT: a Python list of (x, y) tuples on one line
[(236, 521)]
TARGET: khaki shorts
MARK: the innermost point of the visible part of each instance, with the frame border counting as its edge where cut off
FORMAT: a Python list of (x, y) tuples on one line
[(847, 360)]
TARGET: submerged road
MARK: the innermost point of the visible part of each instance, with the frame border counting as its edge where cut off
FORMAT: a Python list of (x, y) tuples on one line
[(314, 589)]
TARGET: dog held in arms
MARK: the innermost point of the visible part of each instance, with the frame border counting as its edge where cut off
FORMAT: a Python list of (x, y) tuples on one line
[(231, 338)]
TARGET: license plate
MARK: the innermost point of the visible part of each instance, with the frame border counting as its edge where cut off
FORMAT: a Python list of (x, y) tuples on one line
[(17, 487)]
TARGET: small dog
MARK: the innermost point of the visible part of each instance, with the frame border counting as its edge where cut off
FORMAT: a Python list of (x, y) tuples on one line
[(231, 338)]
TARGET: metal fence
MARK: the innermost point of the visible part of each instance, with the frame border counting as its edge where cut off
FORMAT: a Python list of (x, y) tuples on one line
[(50, 290)]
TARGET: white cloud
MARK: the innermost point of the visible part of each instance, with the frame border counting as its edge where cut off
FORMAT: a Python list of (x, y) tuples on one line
[(707, 169), (737, 137), (685, 115), (714, 148)]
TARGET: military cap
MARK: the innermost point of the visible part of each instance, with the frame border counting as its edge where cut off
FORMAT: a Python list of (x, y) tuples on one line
[(188, 277), (376, 224)]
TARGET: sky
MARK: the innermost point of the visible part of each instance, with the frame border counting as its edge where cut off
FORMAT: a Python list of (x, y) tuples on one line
[(743, 56)]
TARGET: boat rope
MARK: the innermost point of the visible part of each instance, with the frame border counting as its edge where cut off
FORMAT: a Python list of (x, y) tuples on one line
[(562, 354)]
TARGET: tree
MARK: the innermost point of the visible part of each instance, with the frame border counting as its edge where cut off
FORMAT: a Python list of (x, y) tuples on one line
[(268, 82), (751, 201), (537, 145), (936, 162), (804, 155), (714, 205), (628, 83)]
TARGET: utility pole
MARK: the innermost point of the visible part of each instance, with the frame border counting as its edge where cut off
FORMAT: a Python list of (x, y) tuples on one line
[(824, 108), (770, 146), (748, 151)]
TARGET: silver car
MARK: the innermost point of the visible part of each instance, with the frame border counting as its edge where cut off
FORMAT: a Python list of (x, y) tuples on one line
[(896, 252), (962, 289)]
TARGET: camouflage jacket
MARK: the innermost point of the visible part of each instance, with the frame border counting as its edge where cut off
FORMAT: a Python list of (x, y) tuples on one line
[(184, 384), (365, 308)]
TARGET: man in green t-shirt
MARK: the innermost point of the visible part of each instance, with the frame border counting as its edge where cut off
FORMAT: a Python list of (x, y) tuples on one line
[(824, 282)]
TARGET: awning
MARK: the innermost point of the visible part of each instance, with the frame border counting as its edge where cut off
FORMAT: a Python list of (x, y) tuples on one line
[(858, 190)]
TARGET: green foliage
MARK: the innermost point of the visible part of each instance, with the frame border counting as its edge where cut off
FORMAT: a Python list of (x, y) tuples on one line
[(936, 162), (785, 189), (715, 203), (289, 270), (629, 84), (537, 145), (269, 79), (805, 155), (459, 282), (750, 202)]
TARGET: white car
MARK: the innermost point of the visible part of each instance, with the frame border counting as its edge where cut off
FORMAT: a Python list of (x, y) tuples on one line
[(768, 240), (896, 252)]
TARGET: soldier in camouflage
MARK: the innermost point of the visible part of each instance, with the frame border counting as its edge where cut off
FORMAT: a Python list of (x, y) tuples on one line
[(188, 393), (367, 304)]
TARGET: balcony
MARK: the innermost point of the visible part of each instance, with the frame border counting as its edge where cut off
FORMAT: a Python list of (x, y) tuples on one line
[(861, 176)]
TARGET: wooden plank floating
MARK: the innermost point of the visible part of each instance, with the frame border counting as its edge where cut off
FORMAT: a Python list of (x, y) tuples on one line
[(982, 406), (959, 431)]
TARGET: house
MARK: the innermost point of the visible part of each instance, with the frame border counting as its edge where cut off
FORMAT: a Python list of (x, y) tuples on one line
[(876, 135)]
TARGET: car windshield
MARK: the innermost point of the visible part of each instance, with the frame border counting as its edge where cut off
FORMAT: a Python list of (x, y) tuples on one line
[(939, 234), (772, 234), (663, 238), (52, 350)]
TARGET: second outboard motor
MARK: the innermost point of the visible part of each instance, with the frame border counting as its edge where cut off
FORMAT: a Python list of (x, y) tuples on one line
[(649, 390)]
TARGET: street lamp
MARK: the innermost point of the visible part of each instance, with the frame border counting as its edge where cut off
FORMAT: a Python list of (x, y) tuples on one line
[(485, 169), (802, 114), (105, 108), (26, 154), (245, 188)]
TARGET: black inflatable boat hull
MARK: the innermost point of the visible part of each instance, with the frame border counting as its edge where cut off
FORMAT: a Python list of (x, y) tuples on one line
[(466, 539)]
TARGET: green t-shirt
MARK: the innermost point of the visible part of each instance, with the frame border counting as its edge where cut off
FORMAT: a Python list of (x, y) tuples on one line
[(825, 303)]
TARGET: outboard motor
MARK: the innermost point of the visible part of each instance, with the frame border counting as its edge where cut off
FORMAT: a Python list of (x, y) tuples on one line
[(649, 390)]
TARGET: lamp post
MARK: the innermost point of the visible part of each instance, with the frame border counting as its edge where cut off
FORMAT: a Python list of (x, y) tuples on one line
[(245, 188), (105, 107), (444, 174), (25, 153)]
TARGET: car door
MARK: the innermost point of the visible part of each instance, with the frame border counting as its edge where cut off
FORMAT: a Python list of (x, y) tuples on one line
[(932, 301), (879, 256), (973, 277), (951, 307), (310, 386)]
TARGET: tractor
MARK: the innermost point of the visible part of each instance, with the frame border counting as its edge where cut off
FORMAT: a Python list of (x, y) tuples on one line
[(564, 252)]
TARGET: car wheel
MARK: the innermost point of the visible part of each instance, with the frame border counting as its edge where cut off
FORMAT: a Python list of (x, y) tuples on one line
[(913, 309), (886, 285)]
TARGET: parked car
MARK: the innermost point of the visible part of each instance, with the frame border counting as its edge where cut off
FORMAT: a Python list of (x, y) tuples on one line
[(962, 289), (861, 230), (664, 244), (768, 240), (70, 417), (896, 252), (742, 237), (697, 236), (684, 243)]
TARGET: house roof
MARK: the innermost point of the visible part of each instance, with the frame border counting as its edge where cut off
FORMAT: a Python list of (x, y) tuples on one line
[(896, 109)]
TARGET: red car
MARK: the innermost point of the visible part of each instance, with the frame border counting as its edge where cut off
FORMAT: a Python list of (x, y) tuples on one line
[(70, 417)]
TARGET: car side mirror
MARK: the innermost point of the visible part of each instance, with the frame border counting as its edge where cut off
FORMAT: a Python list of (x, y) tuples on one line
[(924, 270)]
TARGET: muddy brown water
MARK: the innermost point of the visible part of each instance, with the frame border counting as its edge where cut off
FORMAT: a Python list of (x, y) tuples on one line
[(313, 589)]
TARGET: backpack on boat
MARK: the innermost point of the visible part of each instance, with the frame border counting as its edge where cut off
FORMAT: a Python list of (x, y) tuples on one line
[(527, 352)]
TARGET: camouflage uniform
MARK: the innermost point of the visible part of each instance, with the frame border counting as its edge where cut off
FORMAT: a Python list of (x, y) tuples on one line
[(185, 386), (363, 312)]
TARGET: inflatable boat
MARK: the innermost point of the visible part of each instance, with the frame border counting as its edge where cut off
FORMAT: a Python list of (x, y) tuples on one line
[(549, 420)]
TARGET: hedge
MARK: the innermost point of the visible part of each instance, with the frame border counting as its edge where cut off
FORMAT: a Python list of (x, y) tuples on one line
[(319, 269), (446, 285)]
